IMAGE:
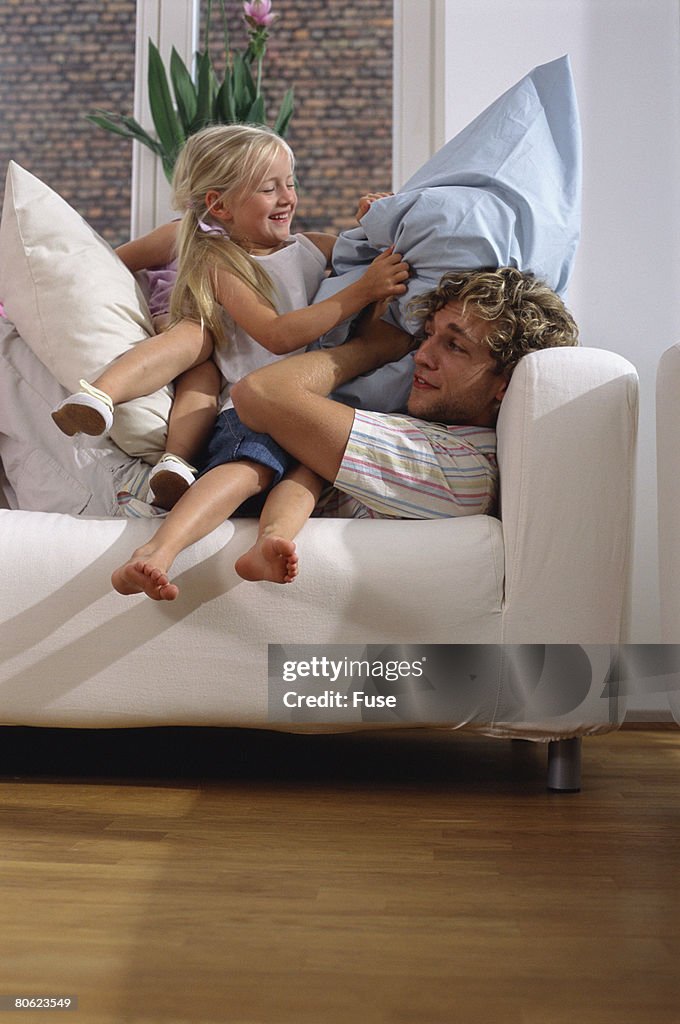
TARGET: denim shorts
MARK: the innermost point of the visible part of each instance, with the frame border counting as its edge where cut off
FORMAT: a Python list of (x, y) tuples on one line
[(231, 441)]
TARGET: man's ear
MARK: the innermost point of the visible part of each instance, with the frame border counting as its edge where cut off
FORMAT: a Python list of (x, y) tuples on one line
[(503, 382)]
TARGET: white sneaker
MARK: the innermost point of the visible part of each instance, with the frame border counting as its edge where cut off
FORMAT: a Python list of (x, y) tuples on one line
[(168, 480), (89, 411)]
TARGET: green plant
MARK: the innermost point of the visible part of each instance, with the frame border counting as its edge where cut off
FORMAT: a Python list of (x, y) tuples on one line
[(206, 98)]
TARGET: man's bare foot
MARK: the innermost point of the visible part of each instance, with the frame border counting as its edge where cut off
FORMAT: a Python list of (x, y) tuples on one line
[(140, 577), (270, 558)]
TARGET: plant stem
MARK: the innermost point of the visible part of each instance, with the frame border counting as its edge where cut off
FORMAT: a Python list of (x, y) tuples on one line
[(207, 28), (227, 47)]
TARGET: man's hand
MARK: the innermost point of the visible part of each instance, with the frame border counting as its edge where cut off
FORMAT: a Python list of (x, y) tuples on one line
[(371, 327)]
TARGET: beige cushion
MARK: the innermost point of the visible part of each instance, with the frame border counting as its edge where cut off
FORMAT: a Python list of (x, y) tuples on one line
[(74, 302)]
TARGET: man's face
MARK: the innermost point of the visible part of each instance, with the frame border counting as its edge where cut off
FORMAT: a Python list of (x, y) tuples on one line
[(455, 378)]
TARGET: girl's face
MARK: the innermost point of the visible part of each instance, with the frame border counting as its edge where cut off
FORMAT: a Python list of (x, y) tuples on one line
[(261, 222)]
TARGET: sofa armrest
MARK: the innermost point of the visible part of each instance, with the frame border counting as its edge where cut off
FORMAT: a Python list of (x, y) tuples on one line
[(668, 481), (4, 488), (566, 449)]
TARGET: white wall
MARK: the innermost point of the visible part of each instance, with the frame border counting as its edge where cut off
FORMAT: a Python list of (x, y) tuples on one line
[(168, 23), (625, 55)]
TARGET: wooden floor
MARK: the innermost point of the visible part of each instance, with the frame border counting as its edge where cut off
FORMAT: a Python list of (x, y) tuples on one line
[(413, 878)]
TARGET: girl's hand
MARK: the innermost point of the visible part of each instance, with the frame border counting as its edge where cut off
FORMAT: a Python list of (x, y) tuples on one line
[(386, 276), (367, 201)]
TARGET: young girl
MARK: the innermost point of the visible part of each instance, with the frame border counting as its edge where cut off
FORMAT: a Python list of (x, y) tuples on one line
[(196, 391), (245, 282)]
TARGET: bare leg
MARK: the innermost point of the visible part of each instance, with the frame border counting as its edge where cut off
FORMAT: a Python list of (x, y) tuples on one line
[(143, 369), (210, 501), (192, 419), (289, 505), (155, 362), (194, 410)]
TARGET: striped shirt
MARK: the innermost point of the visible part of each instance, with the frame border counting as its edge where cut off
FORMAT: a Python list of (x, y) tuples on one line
[(398, 467)]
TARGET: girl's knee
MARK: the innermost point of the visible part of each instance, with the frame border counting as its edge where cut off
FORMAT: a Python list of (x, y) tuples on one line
[(205, 378)]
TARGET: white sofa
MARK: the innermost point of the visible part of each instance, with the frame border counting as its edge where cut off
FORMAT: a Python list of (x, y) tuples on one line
[(552, 571), (666, 670), (668, 479), (519, 615), (661, 671)]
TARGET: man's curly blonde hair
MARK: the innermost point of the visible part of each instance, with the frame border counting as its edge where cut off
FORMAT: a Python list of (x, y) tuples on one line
[(526, 314)]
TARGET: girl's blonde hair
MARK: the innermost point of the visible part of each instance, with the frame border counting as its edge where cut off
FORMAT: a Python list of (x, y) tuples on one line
[(232, 160)]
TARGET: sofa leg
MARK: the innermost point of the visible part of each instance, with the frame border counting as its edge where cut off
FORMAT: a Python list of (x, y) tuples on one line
[(564, 765)]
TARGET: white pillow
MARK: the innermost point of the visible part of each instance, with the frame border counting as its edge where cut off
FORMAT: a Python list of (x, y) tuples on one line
[(74, 302)]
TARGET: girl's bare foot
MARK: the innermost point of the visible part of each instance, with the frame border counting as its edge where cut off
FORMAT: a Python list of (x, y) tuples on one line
[(270, 558), (138, 576)]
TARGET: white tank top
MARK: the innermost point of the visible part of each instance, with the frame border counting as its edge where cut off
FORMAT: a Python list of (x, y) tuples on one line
[(296, 272)]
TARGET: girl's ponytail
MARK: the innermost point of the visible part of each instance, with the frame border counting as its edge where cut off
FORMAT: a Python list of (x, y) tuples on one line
[(199, 254)]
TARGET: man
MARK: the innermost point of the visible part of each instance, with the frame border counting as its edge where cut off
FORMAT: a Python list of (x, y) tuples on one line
[(439, 460)]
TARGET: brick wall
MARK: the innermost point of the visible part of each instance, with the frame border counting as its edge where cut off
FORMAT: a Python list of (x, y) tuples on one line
[(57, 61), (61, 59), (337, 54)]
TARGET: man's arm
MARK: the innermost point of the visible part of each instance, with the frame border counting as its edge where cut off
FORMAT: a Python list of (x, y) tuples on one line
[(288, 399), (153, 250)]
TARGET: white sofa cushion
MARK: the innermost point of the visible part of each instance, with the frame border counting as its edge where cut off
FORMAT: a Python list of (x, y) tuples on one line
[(42, 468), (74, 302), (78, 654)]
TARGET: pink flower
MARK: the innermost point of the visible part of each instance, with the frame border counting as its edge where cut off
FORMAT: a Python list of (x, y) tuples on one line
[(258, 13)]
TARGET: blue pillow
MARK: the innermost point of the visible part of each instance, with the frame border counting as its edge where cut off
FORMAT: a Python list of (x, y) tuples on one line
[(506, 191)]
